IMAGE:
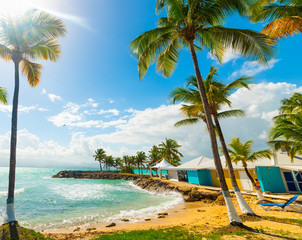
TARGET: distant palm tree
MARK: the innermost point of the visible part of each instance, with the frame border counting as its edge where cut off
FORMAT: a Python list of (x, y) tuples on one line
[(153, 157), (217, 94), (22, 39), (197, 25), (118, 163), (242, 152), (286, 132), (169, 150), (140, 160), (285, 17), (100, 156), (109, 162), (3, 95)]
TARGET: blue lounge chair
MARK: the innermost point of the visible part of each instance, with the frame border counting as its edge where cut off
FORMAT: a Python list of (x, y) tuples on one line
[(283, 206)]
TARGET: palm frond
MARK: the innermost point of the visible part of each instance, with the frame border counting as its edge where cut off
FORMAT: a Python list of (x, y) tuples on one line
[(3, 95), (47, 50), (231, 113), (32, 71), (168, 58), (43, 26), (248, 43), (185, 122), (5, 52), (283, 27)]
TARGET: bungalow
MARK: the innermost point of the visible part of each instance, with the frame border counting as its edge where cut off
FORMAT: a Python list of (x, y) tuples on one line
[(277, 175)]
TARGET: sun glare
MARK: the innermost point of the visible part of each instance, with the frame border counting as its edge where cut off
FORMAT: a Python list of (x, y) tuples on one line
[(14, 7)]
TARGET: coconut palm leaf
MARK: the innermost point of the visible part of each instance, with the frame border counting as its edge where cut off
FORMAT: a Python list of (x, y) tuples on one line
[(32, 71), (46, 50), (246, 42), (3, 95), (188, 121), (231, 113)]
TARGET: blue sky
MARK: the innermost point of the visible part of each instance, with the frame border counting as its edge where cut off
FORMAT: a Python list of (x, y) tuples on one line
[(94, 90)]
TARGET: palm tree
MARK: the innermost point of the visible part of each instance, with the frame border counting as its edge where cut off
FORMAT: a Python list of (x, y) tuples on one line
[(242, 152), (3, 95), (140, 160), (109, 162), (196, 24), (285, 17), (169, 150), (100, 156), (286, 132), (154, 157), (217, 94), (23, 39), (118, 163)]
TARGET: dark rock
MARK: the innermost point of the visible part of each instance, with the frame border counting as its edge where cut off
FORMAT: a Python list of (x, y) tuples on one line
[(91, 229), (111, 225), (161, 216), (200, 210), (148, 219), (125, 220)]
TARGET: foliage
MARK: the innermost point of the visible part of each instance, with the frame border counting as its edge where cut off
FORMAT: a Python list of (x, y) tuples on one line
[(242, 152), (126, 169), (17, 232), (217, 94), (286, 132), (99, 156), (34, 39), (173, 233), (285, 17), (169, 150), (200, 23), (154, 156), (140, 159), (3, 95)]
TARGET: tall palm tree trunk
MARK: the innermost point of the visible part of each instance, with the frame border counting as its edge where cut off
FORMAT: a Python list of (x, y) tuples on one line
[(10, 211), (233, 216), (101, 166), (245, 208), (258, 192)]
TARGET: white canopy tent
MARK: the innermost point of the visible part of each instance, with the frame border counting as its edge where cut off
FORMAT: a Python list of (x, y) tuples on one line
[(164, 165)]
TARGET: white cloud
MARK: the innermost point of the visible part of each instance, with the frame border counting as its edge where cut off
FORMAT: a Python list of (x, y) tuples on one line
[(114, 112), (251, 68), (148, 127), (229, 55), (22, 109), (54, 97)]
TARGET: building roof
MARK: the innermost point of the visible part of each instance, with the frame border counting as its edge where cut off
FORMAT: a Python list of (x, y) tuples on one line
[(164, 165), (281, 160), (197, 163)]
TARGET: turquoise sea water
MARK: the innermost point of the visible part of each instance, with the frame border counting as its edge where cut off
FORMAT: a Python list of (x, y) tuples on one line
[(44, 202)]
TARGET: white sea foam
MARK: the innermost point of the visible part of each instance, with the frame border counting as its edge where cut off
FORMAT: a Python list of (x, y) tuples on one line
[(4, 193), (141, 214), (85, 191)]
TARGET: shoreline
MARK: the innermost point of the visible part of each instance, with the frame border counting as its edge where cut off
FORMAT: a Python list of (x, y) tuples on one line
[(208, 216), (205, 212)]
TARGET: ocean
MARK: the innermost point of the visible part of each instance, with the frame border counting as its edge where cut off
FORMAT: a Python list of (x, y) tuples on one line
[(43, 202)]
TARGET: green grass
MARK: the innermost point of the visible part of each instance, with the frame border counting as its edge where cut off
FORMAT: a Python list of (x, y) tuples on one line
[(285, 220), (17, 232), (170, 233)]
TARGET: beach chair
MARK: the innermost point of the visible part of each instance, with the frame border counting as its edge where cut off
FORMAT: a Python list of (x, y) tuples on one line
[(283, 206)]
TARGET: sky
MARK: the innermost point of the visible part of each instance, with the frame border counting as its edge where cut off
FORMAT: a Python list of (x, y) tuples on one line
[(92, 97)]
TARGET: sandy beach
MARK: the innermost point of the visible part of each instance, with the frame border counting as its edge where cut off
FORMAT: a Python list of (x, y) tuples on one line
[(207, 215)]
